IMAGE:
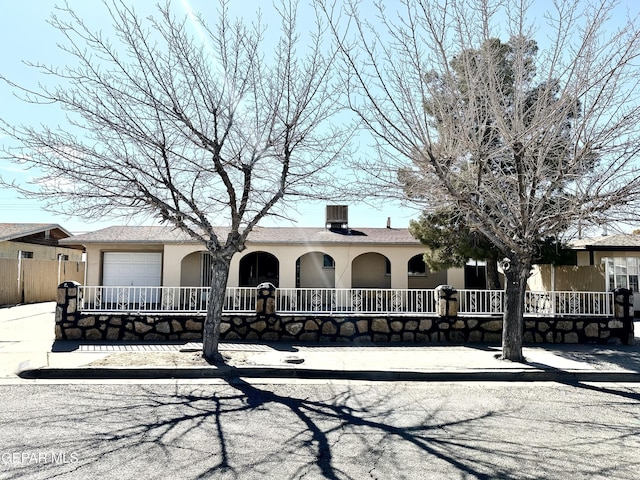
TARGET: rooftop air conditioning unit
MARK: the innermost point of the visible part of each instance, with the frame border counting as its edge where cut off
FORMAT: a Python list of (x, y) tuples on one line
[(337, 216)]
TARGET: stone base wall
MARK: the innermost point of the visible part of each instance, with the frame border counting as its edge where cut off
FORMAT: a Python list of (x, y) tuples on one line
[(347, 329), (268, 326)]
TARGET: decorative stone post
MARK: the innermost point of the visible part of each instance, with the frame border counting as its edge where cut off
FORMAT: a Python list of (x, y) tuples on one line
[(266, 300), (623, 313), (267, 325), (447, 298), (66, 309)]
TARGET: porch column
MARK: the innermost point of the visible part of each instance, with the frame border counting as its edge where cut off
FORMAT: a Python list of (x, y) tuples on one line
[(399, 274), (234, 271), (172, 264), (342, 270), (287, 275)]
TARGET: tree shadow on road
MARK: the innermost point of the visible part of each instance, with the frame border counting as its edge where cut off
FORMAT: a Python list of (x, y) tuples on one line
[(605, 357), (241, 430)]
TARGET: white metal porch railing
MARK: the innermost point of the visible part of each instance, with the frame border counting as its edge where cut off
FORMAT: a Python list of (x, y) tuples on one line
[(345, 301), (563, 303), (355, 300), (480, 302), (162, 299), (592, 304)]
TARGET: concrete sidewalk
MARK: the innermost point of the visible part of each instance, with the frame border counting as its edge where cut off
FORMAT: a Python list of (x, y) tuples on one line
[(345, 362), (27, 348)]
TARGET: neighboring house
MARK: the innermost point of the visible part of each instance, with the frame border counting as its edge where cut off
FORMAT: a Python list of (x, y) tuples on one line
[(618, 254), (335, 256), (33, 263), (39, 241), (602, 264)]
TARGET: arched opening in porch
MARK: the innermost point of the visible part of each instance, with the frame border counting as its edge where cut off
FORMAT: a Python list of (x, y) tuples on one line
[(371, 270), (257, 268), (315, 270), (420, 276), (195, 270)]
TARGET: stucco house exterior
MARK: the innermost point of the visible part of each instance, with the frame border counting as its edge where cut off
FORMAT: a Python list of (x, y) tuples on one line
[(288, 257), (334, 284), (40, 241), (602, 264), (33, 263), (617, 256)]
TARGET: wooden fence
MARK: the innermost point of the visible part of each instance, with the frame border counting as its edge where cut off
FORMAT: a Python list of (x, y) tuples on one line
[(29, 281)]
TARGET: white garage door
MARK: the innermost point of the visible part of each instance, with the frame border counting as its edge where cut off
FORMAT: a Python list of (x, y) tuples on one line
[(132, 268)]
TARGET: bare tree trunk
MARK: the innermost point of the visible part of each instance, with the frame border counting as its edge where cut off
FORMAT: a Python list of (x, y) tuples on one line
[(493, 276), (255, 130), (220, 267), (513, 321)]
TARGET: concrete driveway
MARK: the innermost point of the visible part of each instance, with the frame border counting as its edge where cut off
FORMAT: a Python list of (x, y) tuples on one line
[(26, 336)]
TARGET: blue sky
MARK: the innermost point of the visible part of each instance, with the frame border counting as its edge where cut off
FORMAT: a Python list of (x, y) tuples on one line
[(26, 36)]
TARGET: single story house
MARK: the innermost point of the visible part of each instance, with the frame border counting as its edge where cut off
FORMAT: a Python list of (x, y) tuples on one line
[(33, 262), (333, 256), (40, 241), (618, 254), (602, 264)]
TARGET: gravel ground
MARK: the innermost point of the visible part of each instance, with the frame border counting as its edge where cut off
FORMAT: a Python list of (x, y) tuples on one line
[(169, 359)]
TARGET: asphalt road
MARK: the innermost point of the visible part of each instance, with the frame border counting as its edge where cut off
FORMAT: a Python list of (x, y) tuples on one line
[(338, 430)]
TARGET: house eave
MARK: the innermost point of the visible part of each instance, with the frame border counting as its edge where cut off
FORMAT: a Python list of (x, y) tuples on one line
[(608, 248), (36, 230)]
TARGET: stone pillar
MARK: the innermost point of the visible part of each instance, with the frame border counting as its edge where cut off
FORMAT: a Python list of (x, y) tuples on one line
[(66, 309), (265, 300), (623, 313), (447, 298), (268, 325)]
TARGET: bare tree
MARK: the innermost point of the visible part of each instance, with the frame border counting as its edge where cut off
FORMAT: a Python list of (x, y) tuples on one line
[(524, 138), (218, 128)]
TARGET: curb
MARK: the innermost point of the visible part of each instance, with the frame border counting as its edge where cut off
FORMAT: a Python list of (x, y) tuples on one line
[(230, 373)]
